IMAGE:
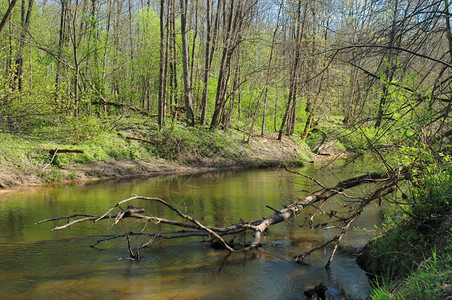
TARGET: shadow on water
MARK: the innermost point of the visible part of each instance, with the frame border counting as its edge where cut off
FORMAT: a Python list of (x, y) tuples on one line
[(36, 263)]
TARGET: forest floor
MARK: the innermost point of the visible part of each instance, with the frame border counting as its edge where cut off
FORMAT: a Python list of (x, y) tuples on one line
[(26, 161)]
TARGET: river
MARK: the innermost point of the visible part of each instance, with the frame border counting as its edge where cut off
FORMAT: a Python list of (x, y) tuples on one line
[(36, 263)]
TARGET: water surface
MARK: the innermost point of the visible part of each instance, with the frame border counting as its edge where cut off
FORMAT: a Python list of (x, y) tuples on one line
[(36, 263)]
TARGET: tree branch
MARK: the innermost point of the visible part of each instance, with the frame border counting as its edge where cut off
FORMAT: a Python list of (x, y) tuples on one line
[(386, 183)]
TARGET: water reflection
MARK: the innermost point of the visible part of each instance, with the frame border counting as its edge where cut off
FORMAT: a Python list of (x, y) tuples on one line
[(36, 263)]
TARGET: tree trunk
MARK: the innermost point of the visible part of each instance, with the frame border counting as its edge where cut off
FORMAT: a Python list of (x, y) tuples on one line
[(448, 27), (310, 110), (190, 227), (172, 59), (207, 59), (7, 14), (227, 115), (234, 22), (61, 40), (389, 69), (289, 115), (195, 36), (351, 107), (267, 80), (162, 71), (131, 45), (75, 43), (20, 56), (188, 93)]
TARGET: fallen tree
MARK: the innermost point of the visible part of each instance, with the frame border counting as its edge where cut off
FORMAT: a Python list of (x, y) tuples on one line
[(189, 227)]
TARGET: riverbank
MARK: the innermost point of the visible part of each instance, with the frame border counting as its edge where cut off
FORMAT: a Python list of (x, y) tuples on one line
[(409, 263), (135, 149), (412, 258)]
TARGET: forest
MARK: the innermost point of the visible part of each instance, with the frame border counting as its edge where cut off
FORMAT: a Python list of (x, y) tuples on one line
[(364, 76), (255, 65)]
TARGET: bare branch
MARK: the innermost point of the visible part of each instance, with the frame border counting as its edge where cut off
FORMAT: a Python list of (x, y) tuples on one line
[(305, 176), (192, 228), (394, 48)]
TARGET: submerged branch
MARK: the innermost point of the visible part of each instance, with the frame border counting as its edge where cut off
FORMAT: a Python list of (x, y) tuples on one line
[(385, 185)]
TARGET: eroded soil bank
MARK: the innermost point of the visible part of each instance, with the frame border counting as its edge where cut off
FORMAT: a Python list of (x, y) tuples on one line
[(36, 167)]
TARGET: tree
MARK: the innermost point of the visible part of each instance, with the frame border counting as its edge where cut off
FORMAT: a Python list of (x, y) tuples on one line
[(233, 21), (389, 62), (62, 38), (7, 14), (163, 67), (209, 52), (25, 22), (267, 82), (192, 227), (188, 91), (297, 35), (173, 59)]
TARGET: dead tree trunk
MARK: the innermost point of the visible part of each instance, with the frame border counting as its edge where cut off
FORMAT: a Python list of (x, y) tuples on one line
[(192, 227)]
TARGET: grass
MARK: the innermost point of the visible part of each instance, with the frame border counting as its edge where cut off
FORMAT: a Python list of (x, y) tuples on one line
[(412, 260), (106, 140), (432, 280), (201, 142)]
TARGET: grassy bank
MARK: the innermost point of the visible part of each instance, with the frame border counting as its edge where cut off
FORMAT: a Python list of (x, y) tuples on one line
[(412, 258), (132, 146), (431, 280)]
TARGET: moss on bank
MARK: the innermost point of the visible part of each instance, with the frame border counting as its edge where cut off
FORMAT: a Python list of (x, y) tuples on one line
[(133, 146)]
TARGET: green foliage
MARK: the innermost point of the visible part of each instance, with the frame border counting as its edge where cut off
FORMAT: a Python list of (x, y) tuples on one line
[(72, 176), (381, 290), (327, 132), (12, 149), (366, 137), (315, 138), (421, 220), (72, 130), (430, 281), (420, 226), (396, 254), (305, 154), (437, 188), (51, 176), (194, 143), (88, 134), (30, 108)]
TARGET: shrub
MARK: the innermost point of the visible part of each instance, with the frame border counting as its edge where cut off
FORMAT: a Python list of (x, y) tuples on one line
[(421, 221)]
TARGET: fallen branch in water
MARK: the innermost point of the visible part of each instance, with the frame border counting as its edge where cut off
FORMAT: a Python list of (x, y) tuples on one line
[(192, 227)]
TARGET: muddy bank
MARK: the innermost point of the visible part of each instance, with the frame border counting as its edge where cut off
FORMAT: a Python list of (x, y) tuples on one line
[(260, 152)]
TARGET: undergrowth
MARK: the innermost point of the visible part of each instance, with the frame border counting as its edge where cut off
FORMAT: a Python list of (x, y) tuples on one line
[(192, 143), (412, 259), (113, 139), (432, 280)]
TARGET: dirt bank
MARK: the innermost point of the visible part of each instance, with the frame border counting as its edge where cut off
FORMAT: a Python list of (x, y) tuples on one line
[(260, 152)]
